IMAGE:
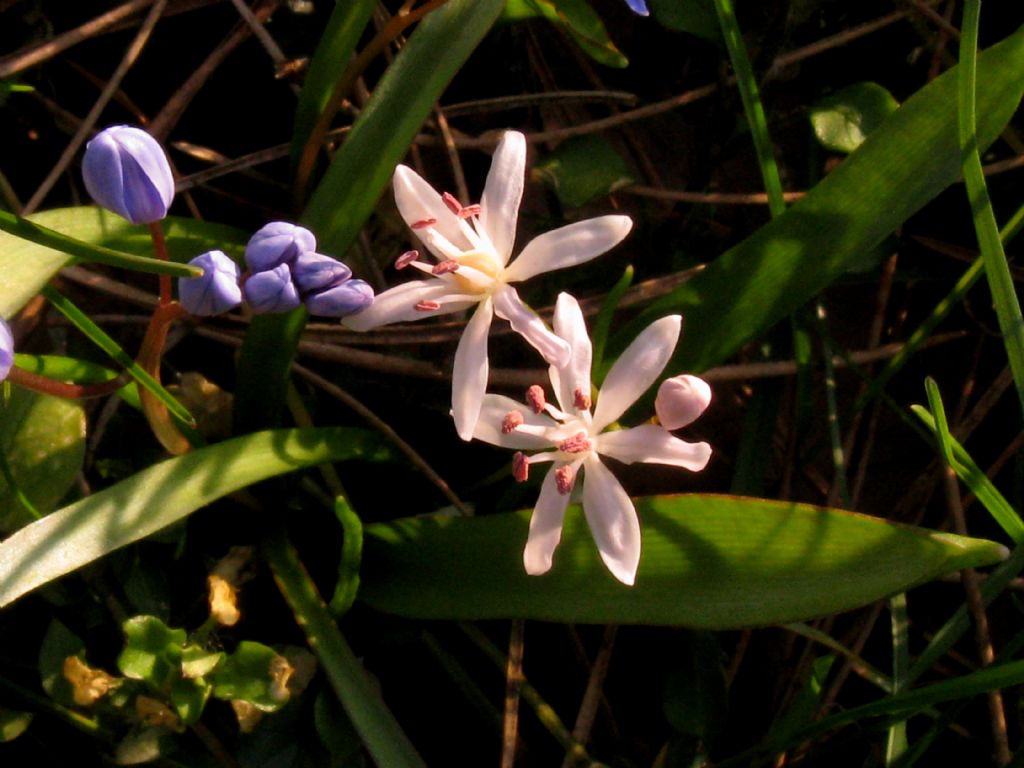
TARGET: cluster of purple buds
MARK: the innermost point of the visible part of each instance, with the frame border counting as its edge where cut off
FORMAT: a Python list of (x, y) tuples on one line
[(6, 349), (284, 271)]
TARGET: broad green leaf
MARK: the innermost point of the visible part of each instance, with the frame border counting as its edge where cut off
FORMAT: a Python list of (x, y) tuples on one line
[(713, 562), (578, 19), (43, 439), (163, 494), (697, 17), (583, 168), (255, 673), (912, 157), (27, 266), (357, 176), (844, 119), (332, 56)]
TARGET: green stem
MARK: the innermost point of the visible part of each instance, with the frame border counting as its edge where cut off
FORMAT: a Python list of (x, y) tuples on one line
[(996, 269), (752, 106), (87, 252), (383, 737)]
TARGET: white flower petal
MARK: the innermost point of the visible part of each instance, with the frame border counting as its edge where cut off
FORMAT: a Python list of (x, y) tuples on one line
[(493, 412), (636, 369), (545, 526), (612, 520), (398, 305), (654, 445), (417, 200), (499, 206), (527, 324), (469, 373), (569, 245), (568, 324)]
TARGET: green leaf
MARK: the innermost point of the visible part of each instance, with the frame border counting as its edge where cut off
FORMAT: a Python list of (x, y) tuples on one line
[(899, 168), (255, 673), (357, 176), (197, 661), (145, 746), (43, 439), (713, 562), (27, 266), (696, 697), (579, 20), (163, 494), (152, 651), (697, 17), (347, 585), (583, 168), (59, 642), (332, 56), (843, 120)]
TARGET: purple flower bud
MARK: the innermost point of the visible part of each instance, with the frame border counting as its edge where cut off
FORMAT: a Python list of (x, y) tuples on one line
[(216, 291), (315, 272), (126, 171), (341, 300), (6, 349), (271, 290), (277, 243), (638, 6)]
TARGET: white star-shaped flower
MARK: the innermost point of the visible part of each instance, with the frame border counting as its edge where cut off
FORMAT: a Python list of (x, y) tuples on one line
[(473, 246), (574, 439)]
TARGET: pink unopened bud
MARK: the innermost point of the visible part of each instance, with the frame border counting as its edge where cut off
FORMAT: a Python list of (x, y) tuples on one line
[(520, 467), (535, 398), (681, 400)]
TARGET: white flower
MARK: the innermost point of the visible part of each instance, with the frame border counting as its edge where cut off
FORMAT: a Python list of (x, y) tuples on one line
[(574, 440), (473, 245)]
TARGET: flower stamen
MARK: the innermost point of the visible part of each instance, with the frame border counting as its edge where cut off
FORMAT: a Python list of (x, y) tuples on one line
[(406, 259), (565, 479), (578, 443), (520, 467), (423, 223), (452, 202), (427, 306), (581, 400), (446, 266), (535, 398), (512, 420), (468, 211)]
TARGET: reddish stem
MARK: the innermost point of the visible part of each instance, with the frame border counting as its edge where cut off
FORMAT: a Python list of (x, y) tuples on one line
[(156, 231), (48, 386)]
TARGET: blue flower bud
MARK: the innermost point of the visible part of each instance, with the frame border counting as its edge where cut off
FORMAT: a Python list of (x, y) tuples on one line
[(126, 171), (6, 349), (277, 243), (271, 290), (638, 6), (216, 291), (341, 300), (315, 272)]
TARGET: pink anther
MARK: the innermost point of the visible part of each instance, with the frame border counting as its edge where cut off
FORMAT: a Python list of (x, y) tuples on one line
[(512, 420), (452, 202), (427, 306), (520, 467), (423, 223), (446, 266), (578, 443), (535, 398), (580, 400), (469, 211), (406, 259), (565, 479)]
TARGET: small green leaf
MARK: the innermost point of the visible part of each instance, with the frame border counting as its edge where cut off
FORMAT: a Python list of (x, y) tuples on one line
[(197, 661), (43, 438), (152, 651), (580, 21), (13, 724), (697, 17), (351, 556), (713, 562), (145, 746), (254, 673), (583, 168), (843, 120)]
